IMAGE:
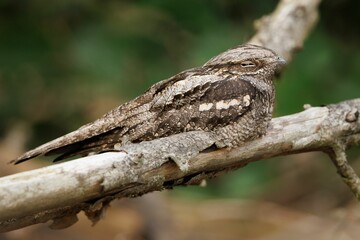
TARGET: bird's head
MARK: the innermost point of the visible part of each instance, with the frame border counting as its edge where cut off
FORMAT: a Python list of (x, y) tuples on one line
[(249, 61)]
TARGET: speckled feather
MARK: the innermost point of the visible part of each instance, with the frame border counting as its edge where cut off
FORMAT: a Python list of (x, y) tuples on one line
[(231, 95)]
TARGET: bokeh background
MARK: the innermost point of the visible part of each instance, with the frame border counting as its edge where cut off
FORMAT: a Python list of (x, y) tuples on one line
[(65, 63)]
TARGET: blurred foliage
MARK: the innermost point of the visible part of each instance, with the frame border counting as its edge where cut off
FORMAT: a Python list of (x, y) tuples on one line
[(65, 63)]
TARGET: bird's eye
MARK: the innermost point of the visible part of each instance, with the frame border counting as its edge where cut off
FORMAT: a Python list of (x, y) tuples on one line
[(248, 64)]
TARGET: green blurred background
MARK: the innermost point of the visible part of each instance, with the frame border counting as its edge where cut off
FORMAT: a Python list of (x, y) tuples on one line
[(65, 63)]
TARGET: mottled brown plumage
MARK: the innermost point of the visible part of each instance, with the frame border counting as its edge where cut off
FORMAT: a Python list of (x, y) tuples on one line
[(231, 95)]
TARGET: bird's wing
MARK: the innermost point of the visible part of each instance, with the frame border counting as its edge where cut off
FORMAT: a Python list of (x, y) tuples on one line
[(217, 103), (85, 135), (211, 105)]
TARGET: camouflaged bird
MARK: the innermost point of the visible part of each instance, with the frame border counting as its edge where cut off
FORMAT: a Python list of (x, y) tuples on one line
[(232, 95)]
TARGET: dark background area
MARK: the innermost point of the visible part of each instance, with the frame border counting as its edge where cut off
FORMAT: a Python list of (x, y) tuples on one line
[(65, 63)]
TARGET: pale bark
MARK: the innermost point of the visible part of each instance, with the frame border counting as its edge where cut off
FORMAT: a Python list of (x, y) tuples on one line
[(90, 182), (286, 29)]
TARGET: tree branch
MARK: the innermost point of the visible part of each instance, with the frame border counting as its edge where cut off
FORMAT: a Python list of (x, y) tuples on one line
[(286, 29), (59, 192), (91, 182)]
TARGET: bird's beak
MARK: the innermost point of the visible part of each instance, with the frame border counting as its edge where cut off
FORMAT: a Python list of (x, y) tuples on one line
[(281, 61)]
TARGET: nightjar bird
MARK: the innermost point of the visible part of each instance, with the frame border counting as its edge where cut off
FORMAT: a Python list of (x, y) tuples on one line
[(232, 95)]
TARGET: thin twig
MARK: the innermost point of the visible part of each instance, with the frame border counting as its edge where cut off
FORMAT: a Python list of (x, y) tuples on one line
[(345, 170)]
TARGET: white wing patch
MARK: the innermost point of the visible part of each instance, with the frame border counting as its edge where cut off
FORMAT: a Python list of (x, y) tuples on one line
[(225, 104), (205, 106), (246, 100)]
